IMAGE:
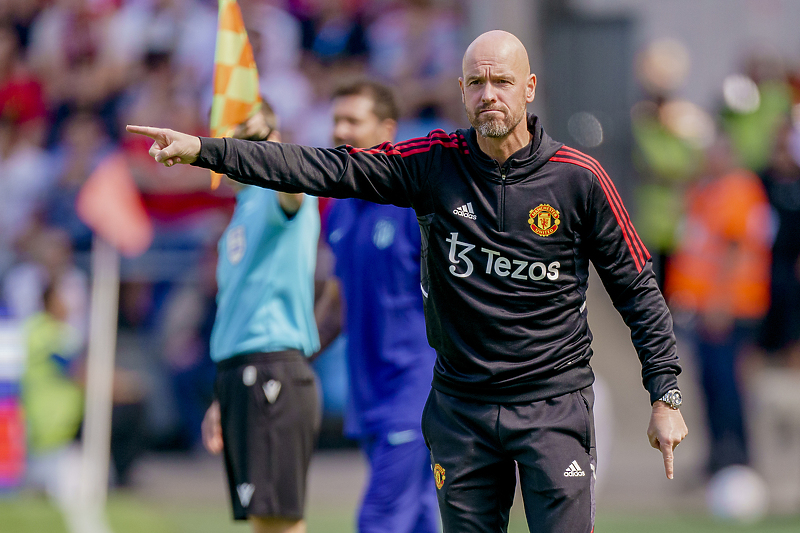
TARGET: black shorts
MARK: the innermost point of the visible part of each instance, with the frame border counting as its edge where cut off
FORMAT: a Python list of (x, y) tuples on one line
[(476, 448), (270, 417)]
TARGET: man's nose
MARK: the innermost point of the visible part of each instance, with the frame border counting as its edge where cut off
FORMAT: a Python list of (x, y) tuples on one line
[(489, 94)]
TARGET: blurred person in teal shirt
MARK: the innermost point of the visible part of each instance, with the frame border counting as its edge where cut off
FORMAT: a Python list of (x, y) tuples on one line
[(266, 417)]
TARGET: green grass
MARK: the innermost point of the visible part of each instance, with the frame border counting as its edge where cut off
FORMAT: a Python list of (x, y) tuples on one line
[(689, 524), (129, 514)]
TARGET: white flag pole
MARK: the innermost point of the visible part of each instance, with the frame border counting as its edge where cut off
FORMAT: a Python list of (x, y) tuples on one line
[(96, 439)]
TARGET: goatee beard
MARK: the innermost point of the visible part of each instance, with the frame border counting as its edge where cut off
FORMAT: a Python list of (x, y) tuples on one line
[(495, 129)]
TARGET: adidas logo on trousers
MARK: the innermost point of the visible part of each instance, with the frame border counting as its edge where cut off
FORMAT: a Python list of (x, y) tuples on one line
[(574, 470)]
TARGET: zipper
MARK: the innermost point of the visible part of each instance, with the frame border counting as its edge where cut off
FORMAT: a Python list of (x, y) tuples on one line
[(502, 217)]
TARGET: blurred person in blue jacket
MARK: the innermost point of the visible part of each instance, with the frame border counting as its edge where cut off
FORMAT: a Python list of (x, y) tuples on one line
[(390, 364)]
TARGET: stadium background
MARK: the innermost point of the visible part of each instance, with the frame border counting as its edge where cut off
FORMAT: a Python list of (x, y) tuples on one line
[(149, 61)]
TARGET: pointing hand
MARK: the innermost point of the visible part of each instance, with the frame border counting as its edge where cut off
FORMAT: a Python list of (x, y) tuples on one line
[(169, 146), (666, 430)]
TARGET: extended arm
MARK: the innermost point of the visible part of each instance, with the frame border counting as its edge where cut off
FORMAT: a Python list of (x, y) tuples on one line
[(379, 175)]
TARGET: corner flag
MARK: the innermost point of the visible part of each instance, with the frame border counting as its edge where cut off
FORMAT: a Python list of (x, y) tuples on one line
[(236, 94), (110, 204)]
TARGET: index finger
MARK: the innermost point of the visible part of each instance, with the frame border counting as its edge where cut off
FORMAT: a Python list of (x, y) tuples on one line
[(666, 451), (144, 130)]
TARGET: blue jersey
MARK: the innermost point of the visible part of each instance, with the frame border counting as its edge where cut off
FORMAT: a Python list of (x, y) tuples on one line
[(265, 278), (377, 249)]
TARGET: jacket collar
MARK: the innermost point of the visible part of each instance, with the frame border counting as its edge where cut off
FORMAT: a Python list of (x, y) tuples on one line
[(522, 163)]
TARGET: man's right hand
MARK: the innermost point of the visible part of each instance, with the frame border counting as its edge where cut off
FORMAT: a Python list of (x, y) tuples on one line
[(169, 146), (212, 429)]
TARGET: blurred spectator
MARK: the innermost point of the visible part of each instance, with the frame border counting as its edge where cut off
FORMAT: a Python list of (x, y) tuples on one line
[(82, 146), (20, 15), (24, 178), (416, 44), (717, 285), (185, 330), (276, 38), (277, 44), (128, 431), (21, 97), (314, 124), (780, 334), (181, 30), (755, 104), (69, 50), (136, 352), (332, 30), (669, 137), (334, 46), (52, 400), (182, 209), (158, 97), (49, 263)]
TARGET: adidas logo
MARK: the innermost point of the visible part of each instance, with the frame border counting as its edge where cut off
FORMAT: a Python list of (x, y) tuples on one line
[(465, 211), (574, 470)]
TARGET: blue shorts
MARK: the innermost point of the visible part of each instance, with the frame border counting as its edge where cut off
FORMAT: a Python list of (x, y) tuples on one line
[(401, 493)]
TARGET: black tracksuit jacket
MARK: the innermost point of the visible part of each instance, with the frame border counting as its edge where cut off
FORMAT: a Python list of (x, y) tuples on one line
[(505, 253)]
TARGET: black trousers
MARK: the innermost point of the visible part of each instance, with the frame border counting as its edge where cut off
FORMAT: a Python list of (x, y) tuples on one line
[(476, 448)]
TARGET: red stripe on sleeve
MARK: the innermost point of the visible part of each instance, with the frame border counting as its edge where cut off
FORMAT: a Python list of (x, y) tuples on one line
[(414, 146), (635, 236), (422, 144), (636, 259), (426, 148), (435, 134), (378, 150)]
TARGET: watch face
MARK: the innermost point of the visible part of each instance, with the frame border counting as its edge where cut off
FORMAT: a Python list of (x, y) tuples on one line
[(674, 398)]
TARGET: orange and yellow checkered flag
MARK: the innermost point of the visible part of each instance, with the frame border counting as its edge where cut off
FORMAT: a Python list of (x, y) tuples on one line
[(236, 94)]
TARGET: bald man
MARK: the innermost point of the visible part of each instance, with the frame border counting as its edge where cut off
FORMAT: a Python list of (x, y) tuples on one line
[(510, 220)]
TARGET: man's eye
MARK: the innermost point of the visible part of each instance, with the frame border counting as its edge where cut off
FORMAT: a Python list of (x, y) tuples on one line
[(474, 82)]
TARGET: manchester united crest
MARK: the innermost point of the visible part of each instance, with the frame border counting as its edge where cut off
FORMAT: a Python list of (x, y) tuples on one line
[(544, 220), (438, 475)]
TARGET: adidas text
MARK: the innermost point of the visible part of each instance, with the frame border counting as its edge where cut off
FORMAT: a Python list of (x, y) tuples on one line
[(574, 470), (465, 211)]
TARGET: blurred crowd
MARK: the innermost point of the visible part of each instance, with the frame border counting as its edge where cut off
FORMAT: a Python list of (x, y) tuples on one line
[(72, 74), (717, 204), (717, 201)]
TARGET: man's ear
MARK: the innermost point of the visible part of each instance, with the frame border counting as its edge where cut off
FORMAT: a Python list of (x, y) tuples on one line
[(461, 86), (530, 89)]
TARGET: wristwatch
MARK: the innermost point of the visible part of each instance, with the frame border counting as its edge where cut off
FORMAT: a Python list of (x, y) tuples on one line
[(672, 398)]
